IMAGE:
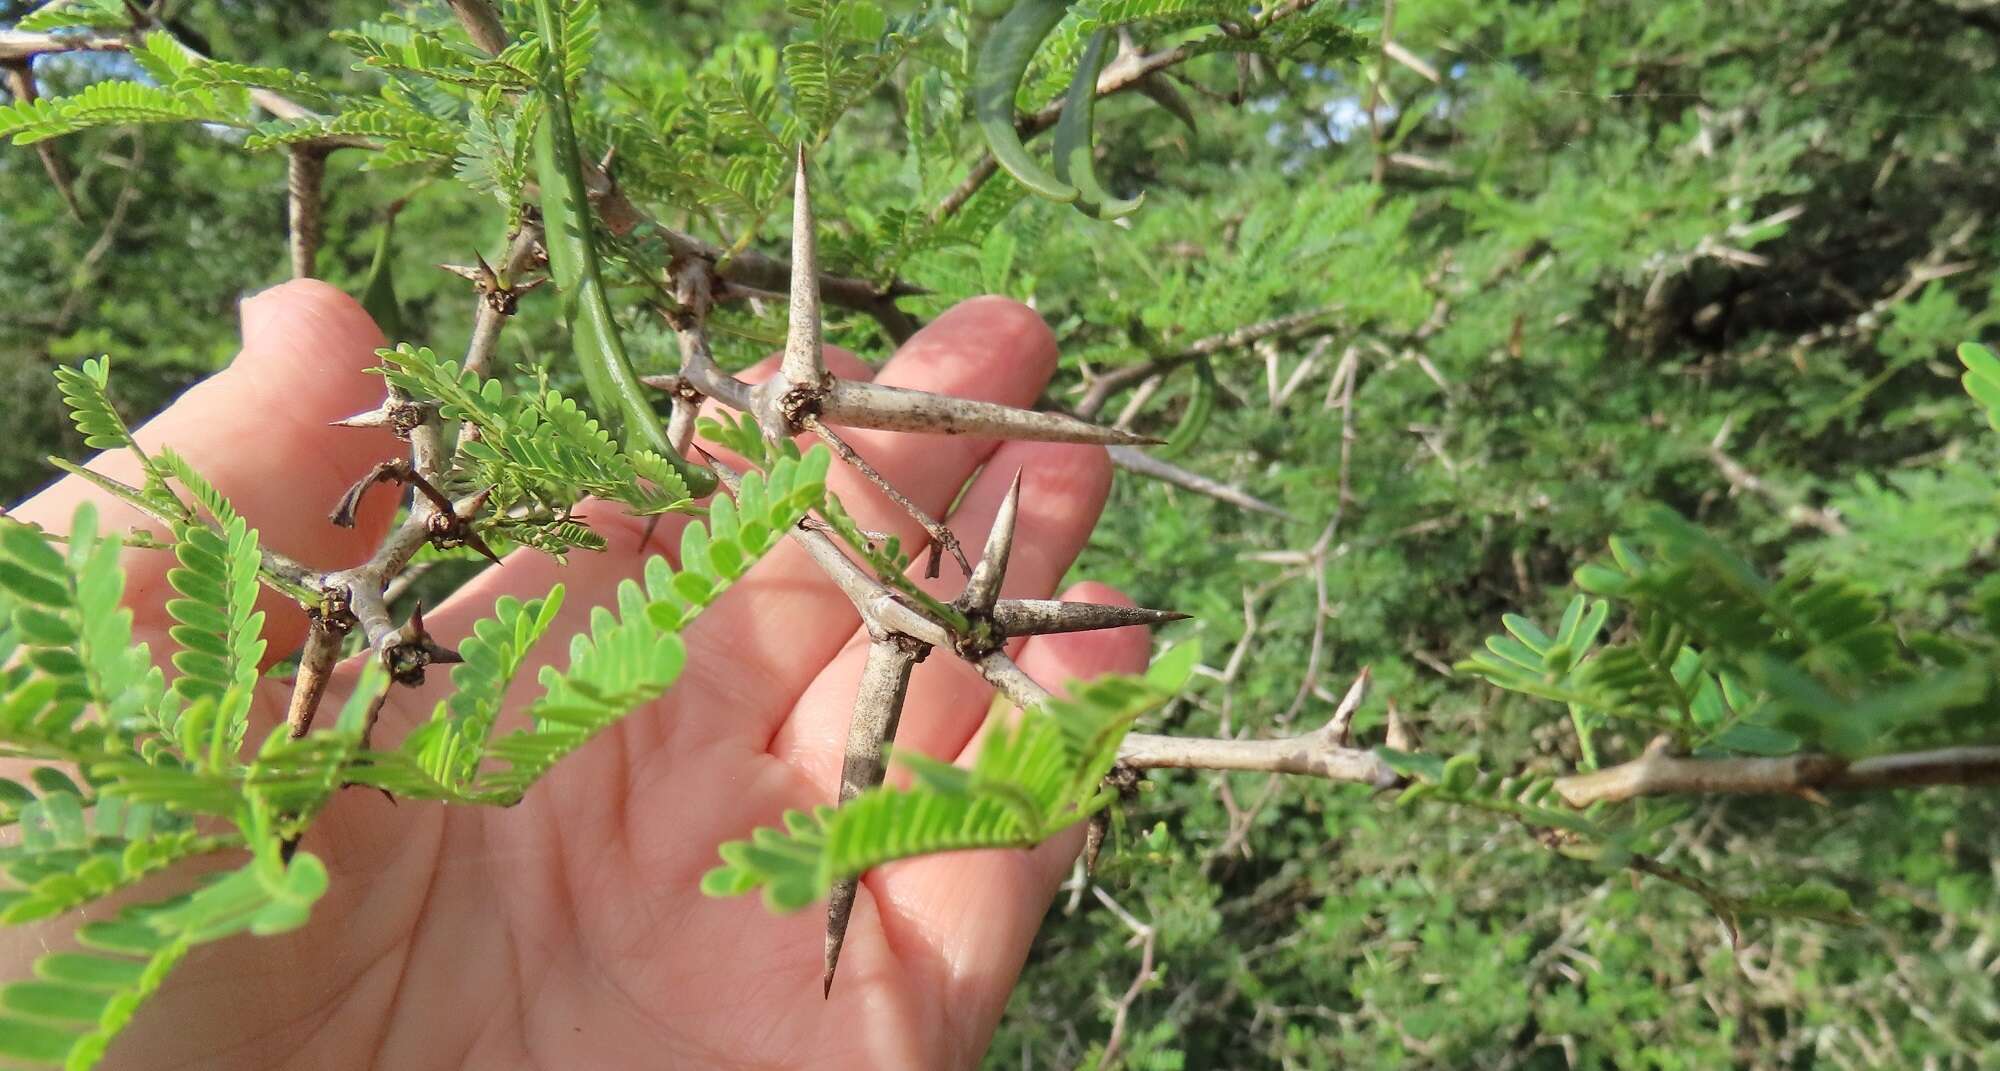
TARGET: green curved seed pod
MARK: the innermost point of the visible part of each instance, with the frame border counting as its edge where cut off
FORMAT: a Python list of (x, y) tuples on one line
[(1201, 403), (1074, 163), (1003, 62), (614, 389)]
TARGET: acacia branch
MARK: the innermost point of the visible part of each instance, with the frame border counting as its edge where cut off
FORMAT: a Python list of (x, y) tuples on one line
[(1657, 773), (21, 45), (1313, 754), (496, 305), (1297, 324)]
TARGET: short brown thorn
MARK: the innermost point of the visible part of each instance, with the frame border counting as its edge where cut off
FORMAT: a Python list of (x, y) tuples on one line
[(410, 649)]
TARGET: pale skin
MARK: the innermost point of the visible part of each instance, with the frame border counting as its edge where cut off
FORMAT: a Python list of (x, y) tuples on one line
[(569, 931)]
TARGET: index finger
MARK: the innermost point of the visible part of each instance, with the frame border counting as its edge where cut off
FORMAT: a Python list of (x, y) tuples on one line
[(258, 430)]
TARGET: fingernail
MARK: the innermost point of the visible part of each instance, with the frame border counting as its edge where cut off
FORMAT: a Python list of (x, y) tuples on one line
[(255, 312)]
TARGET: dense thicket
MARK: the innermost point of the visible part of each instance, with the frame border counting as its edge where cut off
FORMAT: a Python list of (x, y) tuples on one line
[(1547, 264)]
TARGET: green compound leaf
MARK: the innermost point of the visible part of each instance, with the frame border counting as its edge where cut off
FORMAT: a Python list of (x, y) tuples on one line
[(1032, 779)]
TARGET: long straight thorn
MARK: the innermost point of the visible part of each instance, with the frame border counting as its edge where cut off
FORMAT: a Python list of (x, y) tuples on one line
[(878, 706), (872, 405), (1040, 617), (804, 365), (982, 590)]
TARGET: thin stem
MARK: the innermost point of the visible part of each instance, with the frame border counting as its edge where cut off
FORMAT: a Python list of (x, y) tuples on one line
[(941, 537), (872, 405), (1139, 462), (491, 316), (305, 179)]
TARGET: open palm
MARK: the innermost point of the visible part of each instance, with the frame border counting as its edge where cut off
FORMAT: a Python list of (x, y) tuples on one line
[(570, 932)]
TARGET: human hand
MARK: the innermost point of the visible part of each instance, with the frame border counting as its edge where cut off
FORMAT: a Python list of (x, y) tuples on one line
[(570, 931)]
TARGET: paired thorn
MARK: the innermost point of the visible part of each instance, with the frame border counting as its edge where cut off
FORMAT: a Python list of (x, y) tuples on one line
[(1124, 780), (996, 620), (872, 405), (982, 590), (500, 295), (397, 413), (804, 364), (410, 649), (452, 526), (449, 524), (1041, 617), (878, 706)]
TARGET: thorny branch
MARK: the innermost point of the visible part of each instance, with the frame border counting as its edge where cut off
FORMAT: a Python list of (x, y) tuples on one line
[(803, 396), (1323, 753), (1297, 324), (1659, 773)]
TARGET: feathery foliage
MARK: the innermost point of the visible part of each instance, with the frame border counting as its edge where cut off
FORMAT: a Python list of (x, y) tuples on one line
[(625, 660), (539, 450), (1564, 262), (1034, 776)]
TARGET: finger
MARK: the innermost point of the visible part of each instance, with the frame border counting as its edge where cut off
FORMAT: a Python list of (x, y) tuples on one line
[(975, 914), (1063, 489), (258, 431)]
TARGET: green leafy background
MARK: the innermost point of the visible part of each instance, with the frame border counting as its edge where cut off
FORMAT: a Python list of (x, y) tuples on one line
[(1612, 232)]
